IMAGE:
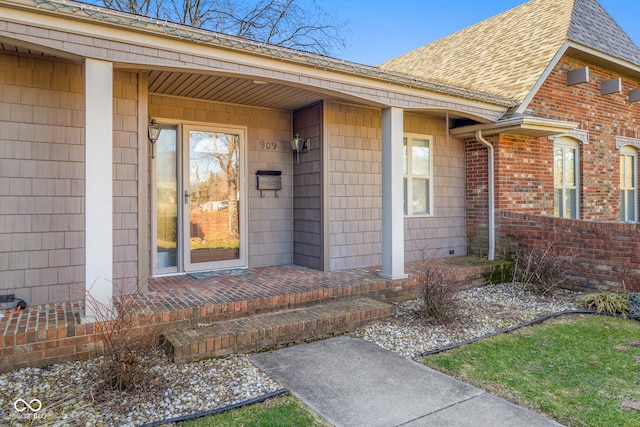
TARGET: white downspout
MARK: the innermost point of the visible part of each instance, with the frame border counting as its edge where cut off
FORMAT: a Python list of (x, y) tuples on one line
[(492, 199)]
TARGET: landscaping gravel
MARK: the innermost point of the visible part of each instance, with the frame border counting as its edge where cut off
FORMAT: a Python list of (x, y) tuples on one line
[(70, 393), (482, 311), (69, 397)]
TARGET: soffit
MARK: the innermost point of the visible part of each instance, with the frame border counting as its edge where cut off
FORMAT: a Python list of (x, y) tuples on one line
[(15, 46), (234, 90)]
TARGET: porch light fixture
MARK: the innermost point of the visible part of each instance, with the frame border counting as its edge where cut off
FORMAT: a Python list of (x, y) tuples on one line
[(154, 133), (299, 144)]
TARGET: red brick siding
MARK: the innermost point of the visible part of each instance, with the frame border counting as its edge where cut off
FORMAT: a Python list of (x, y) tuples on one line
[(477, 173), (605, 117), (524, 174), (523, 181), (602, 255), (606, 252)]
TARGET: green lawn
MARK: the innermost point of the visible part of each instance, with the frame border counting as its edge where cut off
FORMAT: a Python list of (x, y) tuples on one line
[(279, 412), (581, 371)]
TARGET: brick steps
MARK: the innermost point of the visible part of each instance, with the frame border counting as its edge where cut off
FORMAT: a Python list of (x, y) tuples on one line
[(272, 330)]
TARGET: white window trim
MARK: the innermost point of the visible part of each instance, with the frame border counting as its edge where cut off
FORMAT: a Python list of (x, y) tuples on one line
[(568, 142), (409, 176), (629, 151)]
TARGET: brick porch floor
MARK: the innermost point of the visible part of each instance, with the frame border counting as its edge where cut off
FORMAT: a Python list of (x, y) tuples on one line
[(52, 333)]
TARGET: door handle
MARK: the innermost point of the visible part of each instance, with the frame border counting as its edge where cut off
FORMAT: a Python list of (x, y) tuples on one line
[(186, 197)]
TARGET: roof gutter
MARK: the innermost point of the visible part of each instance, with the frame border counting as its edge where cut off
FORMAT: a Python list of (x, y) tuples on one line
[(520, 125), (492, 197)]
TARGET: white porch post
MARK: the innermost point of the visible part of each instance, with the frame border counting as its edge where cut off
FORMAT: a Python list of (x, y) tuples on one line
[(98, 188), (392, 195)]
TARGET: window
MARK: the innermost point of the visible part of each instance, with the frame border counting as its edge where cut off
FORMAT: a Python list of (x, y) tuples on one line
[(417, 169), (628, 185), (565, 178)]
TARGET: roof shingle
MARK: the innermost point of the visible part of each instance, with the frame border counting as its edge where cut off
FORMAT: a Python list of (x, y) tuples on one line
[(506, 54)]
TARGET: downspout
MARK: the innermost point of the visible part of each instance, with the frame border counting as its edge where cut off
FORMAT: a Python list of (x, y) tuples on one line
[(492, 197)]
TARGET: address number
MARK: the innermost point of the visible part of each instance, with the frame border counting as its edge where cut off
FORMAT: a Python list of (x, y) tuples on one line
[(268, 145)]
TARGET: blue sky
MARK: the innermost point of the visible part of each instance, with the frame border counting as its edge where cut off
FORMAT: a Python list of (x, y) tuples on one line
[(383, 29)]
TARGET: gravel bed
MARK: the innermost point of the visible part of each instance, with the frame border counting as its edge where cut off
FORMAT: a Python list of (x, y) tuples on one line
[(68, 397), (482, 310), (70, 394)]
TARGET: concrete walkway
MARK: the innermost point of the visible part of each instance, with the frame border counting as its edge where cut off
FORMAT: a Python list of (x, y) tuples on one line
[(351, 382)]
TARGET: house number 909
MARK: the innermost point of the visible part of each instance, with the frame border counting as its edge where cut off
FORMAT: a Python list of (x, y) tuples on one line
[(268, 145)]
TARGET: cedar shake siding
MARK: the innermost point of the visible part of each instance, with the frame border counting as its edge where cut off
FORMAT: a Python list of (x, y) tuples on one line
[(41, 178)]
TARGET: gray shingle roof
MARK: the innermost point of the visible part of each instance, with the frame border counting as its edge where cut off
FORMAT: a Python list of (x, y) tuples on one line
[(593, 27), (506, 54)]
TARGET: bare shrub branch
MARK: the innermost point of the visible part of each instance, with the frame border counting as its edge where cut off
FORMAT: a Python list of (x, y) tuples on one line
[(540, 271), (129, 350), (438, 287)]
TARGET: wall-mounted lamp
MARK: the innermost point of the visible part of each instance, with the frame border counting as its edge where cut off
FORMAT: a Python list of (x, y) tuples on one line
[(154, 133), (299, 144)]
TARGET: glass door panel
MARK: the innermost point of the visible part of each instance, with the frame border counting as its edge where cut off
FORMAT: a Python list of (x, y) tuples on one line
[(167, 201), (212, 199)]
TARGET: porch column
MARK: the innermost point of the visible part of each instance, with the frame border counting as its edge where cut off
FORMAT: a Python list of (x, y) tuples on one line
[(98, 188), (392, 195)]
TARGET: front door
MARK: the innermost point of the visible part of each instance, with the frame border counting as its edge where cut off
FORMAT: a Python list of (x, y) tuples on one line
[(212, 226), (209, 230)]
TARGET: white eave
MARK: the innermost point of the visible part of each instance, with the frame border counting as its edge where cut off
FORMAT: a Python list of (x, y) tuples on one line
[(522, 126)]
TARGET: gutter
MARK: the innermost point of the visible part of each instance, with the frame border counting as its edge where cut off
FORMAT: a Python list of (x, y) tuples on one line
[(492, 197), (519, 125)]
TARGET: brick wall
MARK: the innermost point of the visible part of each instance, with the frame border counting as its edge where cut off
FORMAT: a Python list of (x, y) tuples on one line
[(477, 197), (523, 181), (602, 256), (270, 218), (604, 117), (524, 166), (307, 191), (41, 178), (524, 174)]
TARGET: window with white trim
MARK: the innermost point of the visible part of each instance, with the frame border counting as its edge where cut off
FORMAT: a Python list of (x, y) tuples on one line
[(628, 185), (566, 178), (418, 178)]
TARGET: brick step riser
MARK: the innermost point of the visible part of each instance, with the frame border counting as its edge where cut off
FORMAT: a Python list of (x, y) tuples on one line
[(240, 309), (269, 337)]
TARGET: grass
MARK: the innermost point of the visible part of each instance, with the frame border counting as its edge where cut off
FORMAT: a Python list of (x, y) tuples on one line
[(581, 371), (279, 412)]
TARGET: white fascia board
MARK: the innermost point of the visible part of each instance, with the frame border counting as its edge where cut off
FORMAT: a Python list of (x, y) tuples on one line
[(573, 45), (543, 77), (612, 59), (533, 126)]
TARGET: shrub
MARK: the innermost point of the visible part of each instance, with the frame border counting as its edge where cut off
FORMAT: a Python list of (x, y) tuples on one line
[(501, 272), (438, 288), (634, 305), (540, 271), (607, 302), (129, 350)]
